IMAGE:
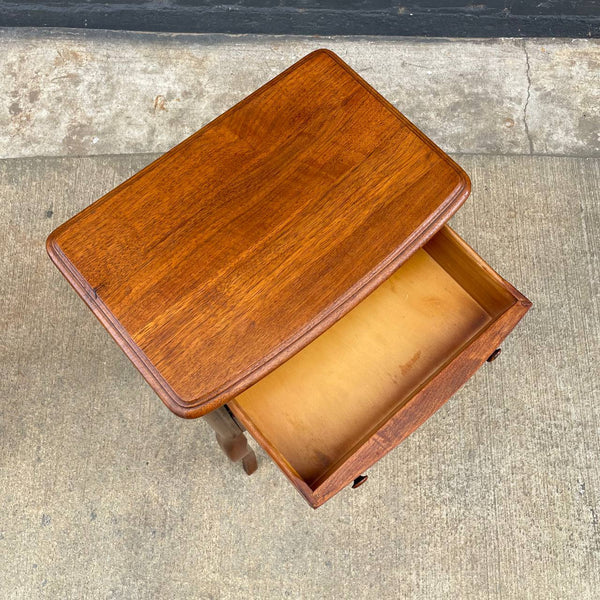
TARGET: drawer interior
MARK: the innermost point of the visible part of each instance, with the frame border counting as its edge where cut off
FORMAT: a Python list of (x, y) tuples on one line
[(316, 408)]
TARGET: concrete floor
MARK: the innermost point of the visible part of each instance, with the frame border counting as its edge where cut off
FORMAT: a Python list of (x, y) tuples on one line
[(105, 494)]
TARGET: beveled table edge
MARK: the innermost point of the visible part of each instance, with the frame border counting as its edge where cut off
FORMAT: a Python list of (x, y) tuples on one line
[(380, 272)]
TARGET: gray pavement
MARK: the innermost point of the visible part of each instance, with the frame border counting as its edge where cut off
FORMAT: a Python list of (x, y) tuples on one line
[(73, 93), (105, 494)]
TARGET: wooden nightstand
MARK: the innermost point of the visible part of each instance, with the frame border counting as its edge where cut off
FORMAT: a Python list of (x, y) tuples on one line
[(288, 269)]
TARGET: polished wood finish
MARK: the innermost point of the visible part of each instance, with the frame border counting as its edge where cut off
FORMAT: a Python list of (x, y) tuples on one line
[(365, 384), (240, 246)]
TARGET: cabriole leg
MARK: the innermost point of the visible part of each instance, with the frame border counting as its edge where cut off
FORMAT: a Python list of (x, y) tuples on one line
[(231, 438)]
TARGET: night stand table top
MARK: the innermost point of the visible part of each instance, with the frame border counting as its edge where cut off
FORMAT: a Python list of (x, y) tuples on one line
[(241, 245)]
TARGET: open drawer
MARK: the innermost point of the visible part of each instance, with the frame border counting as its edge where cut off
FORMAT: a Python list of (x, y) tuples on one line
[(367, 382)]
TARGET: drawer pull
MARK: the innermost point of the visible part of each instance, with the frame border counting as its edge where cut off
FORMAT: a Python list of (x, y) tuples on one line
[(494, 355), (359, 481)]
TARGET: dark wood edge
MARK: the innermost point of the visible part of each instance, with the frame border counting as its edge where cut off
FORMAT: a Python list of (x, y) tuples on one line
[(424, 403), (196, 407)]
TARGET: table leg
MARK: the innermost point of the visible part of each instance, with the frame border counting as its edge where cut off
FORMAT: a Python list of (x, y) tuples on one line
[(231, 438)]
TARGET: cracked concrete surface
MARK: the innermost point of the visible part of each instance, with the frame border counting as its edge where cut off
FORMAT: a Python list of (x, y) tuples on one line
[(73, 93), (105, 494), (527, 99)]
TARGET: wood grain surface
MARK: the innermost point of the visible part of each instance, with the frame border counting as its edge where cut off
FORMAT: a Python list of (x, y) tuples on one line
[(233, 251)]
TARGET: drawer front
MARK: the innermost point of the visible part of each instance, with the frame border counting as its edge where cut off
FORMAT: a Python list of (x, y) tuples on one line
[(356, 392)]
